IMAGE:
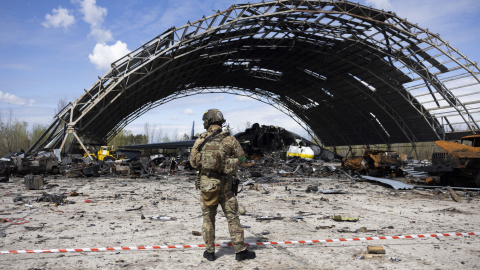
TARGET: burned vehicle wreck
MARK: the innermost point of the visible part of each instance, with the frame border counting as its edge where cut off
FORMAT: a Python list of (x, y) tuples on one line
[(458, 162), (375, 163), (16, 163)]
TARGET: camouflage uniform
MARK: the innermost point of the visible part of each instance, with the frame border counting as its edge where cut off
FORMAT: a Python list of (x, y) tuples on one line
[(222, 194)]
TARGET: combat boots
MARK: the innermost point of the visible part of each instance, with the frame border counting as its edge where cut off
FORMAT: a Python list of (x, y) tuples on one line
[(245, 255), (209, 256)]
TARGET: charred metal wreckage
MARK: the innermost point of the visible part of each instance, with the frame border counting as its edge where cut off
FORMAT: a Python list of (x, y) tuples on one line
[(457, 161), (271, 151), (375, 163)]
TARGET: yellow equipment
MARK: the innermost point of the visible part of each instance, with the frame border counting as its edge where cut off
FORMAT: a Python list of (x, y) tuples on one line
[(104, 154)]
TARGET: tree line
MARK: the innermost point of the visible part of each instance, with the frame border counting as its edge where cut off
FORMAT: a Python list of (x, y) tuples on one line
[(17, 135)]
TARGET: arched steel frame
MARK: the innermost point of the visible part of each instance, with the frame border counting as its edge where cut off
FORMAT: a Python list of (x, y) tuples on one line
[(349, 74)]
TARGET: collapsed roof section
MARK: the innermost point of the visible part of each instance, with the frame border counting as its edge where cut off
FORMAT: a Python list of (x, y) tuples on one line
[(350, 74)]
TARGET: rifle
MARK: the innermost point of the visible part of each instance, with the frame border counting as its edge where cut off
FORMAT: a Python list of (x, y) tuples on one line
[(235, 184)]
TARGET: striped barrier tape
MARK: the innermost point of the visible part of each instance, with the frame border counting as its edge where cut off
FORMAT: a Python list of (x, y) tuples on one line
[(248, 244)]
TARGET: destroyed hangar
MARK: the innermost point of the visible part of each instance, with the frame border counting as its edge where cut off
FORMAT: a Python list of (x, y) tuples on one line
[(349, 74)]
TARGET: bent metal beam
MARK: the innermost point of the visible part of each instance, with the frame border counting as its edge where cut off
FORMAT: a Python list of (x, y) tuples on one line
[(349, 74)]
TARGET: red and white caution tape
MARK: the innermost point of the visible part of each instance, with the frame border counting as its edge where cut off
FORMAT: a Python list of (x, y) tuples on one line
[(248, 244)]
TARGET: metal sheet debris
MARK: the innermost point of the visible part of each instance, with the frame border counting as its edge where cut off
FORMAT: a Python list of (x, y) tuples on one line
[(393, 183)]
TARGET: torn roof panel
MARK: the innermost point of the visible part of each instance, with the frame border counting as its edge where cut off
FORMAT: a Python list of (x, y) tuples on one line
[(394, 184)]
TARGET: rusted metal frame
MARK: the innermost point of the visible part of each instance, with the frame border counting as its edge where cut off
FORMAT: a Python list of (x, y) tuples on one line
[(52, 140), (273, 25), (427, 84), (449, 107), (456, 59), (102, 106), (448, 123), (453, 88), (158, 67), (441, 89), (127, 57), (346, 13), (112, 86), (442, 73), (408, 98), (446, 44), (231, 24), (316, 22)]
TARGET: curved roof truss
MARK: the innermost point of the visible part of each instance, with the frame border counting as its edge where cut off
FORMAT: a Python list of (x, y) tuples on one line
[(350, 74)]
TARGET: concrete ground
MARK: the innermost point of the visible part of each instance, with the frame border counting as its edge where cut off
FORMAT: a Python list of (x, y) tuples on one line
[(98, 218)]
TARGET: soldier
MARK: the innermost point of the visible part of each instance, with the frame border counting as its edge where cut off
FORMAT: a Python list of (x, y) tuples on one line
[(216, 156)]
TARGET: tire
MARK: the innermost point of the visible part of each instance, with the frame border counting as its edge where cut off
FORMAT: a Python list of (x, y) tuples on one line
[(108, 159)]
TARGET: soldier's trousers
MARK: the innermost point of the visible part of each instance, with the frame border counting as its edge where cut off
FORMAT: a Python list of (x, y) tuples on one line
[(218, 192)]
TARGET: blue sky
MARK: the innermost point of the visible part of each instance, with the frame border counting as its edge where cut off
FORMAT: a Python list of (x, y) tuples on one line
[(52, 50)]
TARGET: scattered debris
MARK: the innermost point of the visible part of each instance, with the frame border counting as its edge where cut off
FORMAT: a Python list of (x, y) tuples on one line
[(162, 218), (375, 250), (342, 218), (324, 227), (134, 209), (34, 182), (34, 228), (454, 195), (269, 218), (327, 191), (394, 184)]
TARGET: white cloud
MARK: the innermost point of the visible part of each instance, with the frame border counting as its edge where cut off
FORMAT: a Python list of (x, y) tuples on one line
[(59, 18), (92, 14), (12, 99), (95, 15), (103, 54), (380, 4), (188, 111), (101, 35)]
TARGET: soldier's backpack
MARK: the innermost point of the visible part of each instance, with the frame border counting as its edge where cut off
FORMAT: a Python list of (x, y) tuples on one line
[(213, 154)]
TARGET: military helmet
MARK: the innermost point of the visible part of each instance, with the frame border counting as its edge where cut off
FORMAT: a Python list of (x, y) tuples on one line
[(213, 116)]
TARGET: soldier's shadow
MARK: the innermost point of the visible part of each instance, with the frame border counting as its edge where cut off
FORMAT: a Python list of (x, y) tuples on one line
[(230, 252)]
